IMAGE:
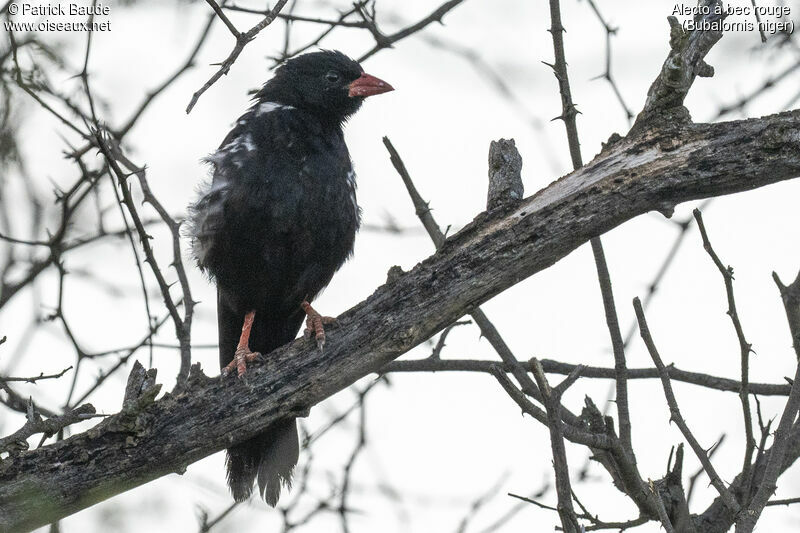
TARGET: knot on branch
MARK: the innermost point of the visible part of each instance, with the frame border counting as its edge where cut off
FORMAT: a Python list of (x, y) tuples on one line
[(197, 378), (394, 274), (594, 421), (704, 70), (613, 139), (141, 389), (505, 178), (140, 393)]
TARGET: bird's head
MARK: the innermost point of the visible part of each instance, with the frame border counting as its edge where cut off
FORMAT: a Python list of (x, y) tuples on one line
[(328, 84)]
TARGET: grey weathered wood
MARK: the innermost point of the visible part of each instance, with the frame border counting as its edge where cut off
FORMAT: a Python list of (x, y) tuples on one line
[(685, 62), (653, 171), (505, 174)]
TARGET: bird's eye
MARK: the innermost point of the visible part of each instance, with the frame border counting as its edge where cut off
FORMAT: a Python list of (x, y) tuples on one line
[(332, 77)]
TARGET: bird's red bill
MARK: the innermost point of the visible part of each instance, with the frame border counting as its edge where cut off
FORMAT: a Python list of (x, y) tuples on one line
[(368, 85)]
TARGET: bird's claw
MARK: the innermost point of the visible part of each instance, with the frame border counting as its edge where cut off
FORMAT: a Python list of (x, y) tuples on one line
[(315, 325), (241, 357), (315, 331)]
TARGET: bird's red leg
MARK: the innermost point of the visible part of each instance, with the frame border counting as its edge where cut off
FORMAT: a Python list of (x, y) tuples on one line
[(315, 324), (243, 355)]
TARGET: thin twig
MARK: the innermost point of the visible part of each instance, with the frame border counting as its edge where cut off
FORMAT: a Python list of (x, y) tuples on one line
[(788, 501), (241, 41), (552, 403), (700, 471), (386, 41), (224, 18), (758, 22), (744, 352), (558, 367), (34, 379), (50, 426), (607, 75)]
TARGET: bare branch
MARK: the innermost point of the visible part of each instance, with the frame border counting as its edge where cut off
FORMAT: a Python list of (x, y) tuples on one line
[(242, 39), (790, 295), (386, 41), (552, 403), (488, 330), (788, 501), (183, 325), (686, 61), (675, 413), (744, 348), (421, 207), (49, 427), (775, 462), (224, 18), (34, 379), (607, 75), (558, 367)]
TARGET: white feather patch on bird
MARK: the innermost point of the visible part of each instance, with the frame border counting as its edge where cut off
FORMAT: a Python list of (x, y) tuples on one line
[(267, 107), (351, 182), (232, 151)]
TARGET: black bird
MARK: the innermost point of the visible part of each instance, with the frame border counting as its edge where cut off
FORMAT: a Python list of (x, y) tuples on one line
[(277, 220)]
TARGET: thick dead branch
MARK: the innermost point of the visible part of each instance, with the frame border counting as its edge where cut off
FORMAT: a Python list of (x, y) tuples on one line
[(686, 61), (648, 172)]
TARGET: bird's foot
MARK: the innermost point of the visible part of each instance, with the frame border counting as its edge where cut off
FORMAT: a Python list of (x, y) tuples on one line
[(241, 357), (315, 324)]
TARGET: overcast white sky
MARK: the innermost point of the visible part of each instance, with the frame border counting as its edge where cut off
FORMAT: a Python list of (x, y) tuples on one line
[(443, 440)]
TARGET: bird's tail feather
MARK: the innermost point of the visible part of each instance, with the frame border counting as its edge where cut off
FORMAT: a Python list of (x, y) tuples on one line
[(242, 464), (278, 460), (269, 458)]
